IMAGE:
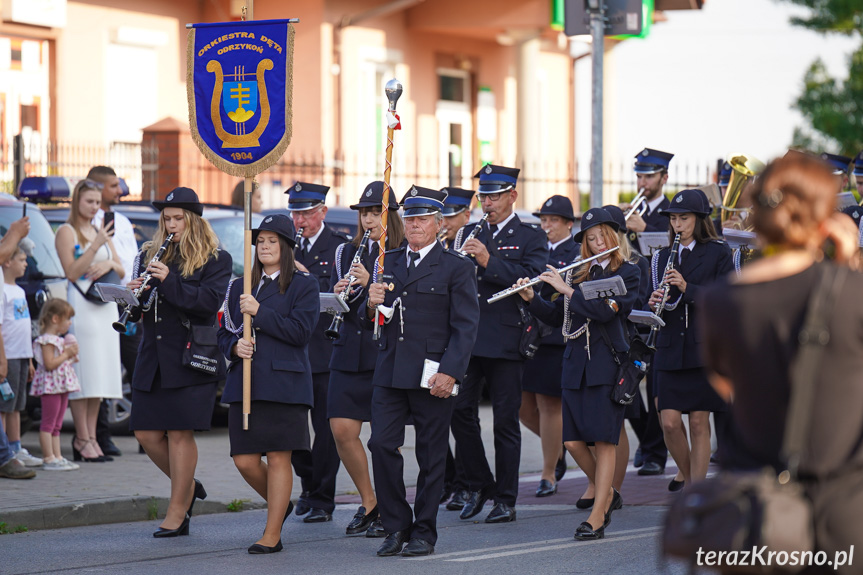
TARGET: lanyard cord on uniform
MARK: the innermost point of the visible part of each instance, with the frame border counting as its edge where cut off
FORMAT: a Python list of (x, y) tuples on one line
[(567, 319)]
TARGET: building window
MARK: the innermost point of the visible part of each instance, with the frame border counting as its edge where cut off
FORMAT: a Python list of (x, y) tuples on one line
[(452, 88)]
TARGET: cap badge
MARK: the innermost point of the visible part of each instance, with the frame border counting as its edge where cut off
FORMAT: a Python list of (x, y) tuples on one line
[(488, 169), (588, 217), (856, 215), (414, 191), (369, 193), (170, 197), (298, 187), (268, 220), (679, 199), (645, 153), (548, 203)]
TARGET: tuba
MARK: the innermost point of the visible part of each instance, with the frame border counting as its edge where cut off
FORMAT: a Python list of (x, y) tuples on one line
[(743, 169)]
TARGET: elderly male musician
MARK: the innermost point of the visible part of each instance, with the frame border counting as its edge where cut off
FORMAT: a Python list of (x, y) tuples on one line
[(315, 252), (504, 250), (456, 213), (429, 294)]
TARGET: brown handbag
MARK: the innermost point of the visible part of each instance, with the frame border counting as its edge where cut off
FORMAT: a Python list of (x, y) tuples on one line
[(746, 516)]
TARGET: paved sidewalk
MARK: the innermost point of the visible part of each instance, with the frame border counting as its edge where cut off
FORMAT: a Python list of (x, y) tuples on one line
[(131, 488)]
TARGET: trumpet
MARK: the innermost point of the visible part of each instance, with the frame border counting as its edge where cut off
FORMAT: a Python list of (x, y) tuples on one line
[(473, 233), (120, 325), (666, 288), (638, 205), (332, 332), (511, 290)]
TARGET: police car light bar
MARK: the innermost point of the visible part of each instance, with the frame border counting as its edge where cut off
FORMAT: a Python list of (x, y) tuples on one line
[(45, 189)]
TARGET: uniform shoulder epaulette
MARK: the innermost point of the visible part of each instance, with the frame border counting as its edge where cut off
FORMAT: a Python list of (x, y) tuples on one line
[(302, 273), (533, 227), (341, 235), (719, 241), (395, 250), (455, 253)]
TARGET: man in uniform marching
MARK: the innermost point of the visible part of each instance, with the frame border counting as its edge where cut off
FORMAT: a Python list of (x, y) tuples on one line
[(315, 253), (504, 250), (429, 294)]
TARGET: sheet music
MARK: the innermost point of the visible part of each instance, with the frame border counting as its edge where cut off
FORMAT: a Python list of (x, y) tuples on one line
[(430, 368)]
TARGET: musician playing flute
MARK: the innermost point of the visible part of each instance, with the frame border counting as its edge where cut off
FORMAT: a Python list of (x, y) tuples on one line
[(171, 401), (284, 307), (349, 399), (589, 368), (681, 384)]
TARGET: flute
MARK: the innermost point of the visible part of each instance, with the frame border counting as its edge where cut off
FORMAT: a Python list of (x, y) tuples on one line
[(511, 290), (120, 325)]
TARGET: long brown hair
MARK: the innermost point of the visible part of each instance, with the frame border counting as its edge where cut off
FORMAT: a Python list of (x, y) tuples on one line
[(287, 267), (75, 220), (395, 229), (197, 244), (616, 258)]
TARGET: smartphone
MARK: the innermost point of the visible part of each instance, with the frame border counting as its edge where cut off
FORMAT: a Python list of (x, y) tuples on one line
[(109, 219), (24, 214)]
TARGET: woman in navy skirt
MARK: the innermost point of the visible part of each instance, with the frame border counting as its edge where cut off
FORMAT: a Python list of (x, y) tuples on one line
[(589, 369), (349, 397), (284, 309), (681, 381), (171, 401)]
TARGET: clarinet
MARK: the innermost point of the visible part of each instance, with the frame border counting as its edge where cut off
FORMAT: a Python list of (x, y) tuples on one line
[(473, 233), (666, 288), (120, 325), (332, 332), (298, 238)]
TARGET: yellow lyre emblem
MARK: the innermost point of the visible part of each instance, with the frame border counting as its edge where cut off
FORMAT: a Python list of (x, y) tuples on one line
[(240, 101)]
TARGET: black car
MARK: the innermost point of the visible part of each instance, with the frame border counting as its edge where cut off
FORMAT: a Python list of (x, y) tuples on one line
[(339, 218)]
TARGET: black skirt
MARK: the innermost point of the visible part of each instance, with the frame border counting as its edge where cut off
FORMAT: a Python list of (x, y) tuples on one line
[(350, 395), (272, 427), (543, 373), (590, 416), (180, 408), (686, 390)]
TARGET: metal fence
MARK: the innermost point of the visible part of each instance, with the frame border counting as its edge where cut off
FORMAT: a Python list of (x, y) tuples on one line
[(31, 157)]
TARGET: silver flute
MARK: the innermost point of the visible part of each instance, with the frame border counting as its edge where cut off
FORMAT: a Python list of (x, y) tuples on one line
[(473, 233), (512, 290)]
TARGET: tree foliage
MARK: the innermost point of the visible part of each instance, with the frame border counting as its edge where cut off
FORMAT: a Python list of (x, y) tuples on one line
[(832, 107)]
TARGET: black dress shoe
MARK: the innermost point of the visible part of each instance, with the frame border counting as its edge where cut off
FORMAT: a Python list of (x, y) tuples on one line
[(585, 503), (502, 513), (303, 506), (651, 468), (417, 548), (376, 529), (362, 521), (616, 503), (458, 500), (474, 503), (676, 485), (546, 488), (258, 549), (560, 468), (288, 512), (200, 493), (183, 529), (586, 532), (392, 545), (638, 461), (108, 448), (317, 516)]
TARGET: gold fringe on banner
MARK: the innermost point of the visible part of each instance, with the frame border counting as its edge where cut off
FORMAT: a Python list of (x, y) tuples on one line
[(256, 167)]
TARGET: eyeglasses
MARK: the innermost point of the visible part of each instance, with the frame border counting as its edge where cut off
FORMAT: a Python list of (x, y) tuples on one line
[(90, 185), (493, 197)]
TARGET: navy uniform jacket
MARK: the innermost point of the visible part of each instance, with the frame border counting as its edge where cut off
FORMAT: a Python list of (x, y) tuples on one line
[(441, 315), (282, 329), (354, 351), (519, 250), (319, 262), (199, 296), (562, 255), (678, 344), (600, 369)]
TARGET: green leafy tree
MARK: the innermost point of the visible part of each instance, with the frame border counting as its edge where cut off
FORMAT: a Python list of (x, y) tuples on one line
[(832, 107)]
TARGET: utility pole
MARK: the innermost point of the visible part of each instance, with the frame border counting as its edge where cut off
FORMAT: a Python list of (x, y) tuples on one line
[(596, 8)]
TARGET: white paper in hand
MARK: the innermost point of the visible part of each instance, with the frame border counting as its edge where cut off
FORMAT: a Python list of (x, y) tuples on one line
[(430, 368)]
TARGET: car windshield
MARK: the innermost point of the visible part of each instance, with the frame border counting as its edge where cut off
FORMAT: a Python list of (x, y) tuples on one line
[(231, 231), (44, 258)]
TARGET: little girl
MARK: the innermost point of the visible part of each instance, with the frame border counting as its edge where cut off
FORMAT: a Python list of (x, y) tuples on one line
[(55, 378)]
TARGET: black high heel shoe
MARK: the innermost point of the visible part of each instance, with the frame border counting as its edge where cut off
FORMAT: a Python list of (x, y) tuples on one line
[(199, 493), (258, 549), (183, 529), (76, 454)]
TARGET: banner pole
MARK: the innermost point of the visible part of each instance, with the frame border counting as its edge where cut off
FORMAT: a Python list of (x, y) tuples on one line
[(248, 14)]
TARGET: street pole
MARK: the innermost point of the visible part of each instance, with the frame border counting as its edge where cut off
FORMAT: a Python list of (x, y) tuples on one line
[(597, 32)]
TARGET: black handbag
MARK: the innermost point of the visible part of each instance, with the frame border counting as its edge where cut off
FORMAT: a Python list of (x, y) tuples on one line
[(201, 352), (631, 368), (92, 295), (531, 333), (752, 514)]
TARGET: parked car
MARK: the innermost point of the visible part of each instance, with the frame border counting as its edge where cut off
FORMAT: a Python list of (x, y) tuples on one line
[(339, 218)]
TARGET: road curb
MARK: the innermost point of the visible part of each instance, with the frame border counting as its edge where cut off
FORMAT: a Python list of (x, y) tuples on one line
[(121, 510)]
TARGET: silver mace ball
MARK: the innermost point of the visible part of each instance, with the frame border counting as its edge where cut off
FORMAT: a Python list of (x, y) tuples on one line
[(393, 90)]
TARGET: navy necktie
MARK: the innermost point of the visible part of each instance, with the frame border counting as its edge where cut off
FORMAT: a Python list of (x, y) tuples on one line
[(684, 253), (493, 229), (307, 245), (267, 280), (413, 258), (595, 272)]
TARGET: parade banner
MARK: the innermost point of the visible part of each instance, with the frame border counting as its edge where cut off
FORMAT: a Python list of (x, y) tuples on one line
[(239, 79)]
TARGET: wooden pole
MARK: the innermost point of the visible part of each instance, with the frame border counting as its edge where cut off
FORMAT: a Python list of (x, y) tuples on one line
[(247, 271)]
